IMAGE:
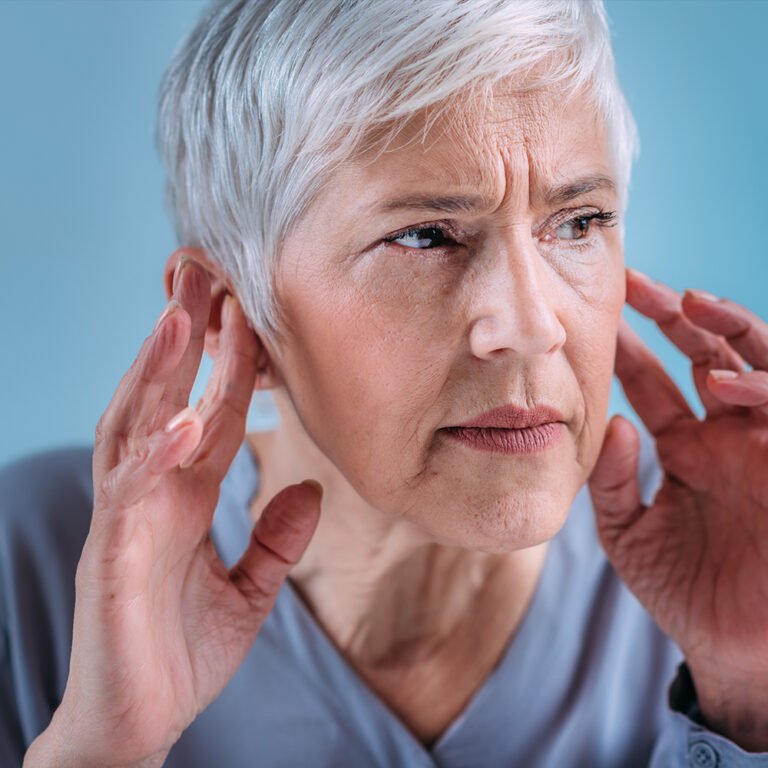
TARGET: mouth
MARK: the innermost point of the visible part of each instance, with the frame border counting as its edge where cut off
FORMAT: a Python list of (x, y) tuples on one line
[(511, 429), (525, 440)]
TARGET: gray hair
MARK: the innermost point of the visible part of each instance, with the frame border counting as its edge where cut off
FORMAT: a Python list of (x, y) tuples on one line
[(265, 98)]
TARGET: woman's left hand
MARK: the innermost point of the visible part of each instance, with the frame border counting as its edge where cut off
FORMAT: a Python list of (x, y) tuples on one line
[(697, 556)]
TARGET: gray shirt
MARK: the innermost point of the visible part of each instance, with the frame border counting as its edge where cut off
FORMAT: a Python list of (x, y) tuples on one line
[(586, 681)]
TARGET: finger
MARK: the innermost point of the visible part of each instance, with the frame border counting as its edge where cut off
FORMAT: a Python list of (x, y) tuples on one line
[(192, 289), (748, 389), (140, 471), (706, 350), (648, 387), (277, 542), (134, 404), (743, 330), (224, 405), (613, 483)]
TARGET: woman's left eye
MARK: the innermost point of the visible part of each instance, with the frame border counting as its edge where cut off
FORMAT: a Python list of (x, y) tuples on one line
[(575, 229), (578, 227), (421, 237)]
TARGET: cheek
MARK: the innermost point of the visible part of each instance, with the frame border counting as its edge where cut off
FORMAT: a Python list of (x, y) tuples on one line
[(369, 357), (400, 318), (408, 291), (592, 333)]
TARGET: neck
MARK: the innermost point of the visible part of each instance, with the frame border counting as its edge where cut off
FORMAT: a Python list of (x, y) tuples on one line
[(388, 595)]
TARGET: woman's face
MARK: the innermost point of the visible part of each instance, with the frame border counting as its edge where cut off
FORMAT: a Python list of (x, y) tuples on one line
[(405, 319)]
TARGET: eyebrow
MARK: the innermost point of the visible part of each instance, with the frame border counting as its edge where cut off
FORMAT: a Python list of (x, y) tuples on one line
[(573, 189), (470, 203)]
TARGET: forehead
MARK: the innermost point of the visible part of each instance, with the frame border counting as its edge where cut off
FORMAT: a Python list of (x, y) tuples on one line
[(531, 141)]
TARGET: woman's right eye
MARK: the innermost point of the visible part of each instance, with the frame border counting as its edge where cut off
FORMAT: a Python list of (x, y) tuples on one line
[(421, 238)]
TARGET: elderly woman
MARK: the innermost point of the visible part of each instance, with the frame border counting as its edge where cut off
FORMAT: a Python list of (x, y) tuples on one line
[(406, 221)]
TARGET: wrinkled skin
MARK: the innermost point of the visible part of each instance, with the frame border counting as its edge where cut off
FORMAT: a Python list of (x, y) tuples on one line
[(697, 557), (387, 344)]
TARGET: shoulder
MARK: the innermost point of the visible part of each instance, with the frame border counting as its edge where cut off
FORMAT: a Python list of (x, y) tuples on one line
[(45, 474), (46, 500), (45, 512)]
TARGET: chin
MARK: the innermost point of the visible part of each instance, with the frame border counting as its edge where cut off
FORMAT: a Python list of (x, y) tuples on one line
[(507, 524)]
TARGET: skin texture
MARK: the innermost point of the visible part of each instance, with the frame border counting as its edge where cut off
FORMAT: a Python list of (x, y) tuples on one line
[(160, 624), (422, 540), (696, 557), (426, 553), (388, 344)]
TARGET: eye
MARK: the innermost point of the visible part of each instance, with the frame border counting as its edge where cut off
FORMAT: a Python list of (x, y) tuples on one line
[(578, 227), (421, 238), (574, 229)]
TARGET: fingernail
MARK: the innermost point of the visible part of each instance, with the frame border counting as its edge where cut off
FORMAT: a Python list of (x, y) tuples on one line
[(181, 419), (704, 295), (180, 264), (314, 484), (172, 305), (720, 375)]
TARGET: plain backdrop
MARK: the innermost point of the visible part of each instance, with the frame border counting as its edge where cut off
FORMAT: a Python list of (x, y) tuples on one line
[(85, 234)]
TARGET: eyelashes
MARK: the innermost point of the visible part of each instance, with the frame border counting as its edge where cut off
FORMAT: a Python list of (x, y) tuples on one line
[(438, 230)]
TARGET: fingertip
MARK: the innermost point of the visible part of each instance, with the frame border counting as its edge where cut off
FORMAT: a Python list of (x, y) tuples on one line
[(636, 274), (621, 440), (184, 431), (314, 484), (177, 441), (623, 424)]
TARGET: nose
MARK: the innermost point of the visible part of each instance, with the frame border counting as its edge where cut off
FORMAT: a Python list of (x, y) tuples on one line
[(516, 308)]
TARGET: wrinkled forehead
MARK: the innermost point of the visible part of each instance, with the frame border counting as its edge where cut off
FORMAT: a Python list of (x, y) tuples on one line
[(527, 140)]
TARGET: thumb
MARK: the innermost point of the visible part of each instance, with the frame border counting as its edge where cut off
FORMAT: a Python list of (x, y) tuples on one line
[(278, 540), (613, 483)]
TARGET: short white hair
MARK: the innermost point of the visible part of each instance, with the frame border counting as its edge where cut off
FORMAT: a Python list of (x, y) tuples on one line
[(265, 98)]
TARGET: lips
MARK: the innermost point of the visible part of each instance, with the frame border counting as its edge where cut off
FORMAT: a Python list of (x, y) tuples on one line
[(515, 417)]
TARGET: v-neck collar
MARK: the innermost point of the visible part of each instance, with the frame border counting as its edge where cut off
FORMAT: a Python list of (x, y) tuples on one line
[(480, 698), (323, 662)]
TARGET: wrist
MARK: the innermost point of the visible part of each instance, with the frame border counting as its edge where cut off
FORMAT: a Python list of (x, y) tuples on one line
[(737, 710), (41, 753), (51, 749)]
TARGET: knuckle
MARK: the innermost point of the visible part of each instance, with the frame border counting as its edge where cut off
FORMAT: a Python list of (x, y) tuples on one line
[(258, 592), (102, 430), (141, 454), (105, 489)]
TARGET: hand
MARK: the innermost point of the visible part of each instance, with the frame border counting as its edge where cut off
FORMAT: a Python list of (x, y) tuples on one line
[(697, 557), (160, 625)]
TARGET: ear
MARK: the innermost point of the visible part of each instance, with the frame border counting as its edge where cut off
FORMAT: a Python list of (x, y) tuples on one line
[(267, 377)]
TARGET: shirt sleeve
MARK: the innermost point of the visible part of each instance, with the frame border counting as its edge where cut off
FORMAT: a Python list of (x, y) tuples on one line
[(685, 742)]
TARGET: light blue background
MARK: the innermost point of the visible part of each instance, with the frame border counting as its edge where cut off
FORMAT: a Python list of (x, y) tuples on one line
[(85, 234)]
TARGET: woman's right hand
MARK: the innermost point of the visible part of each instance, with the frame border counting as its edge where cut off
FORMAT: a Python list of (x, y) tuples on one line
[(160, 625)]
